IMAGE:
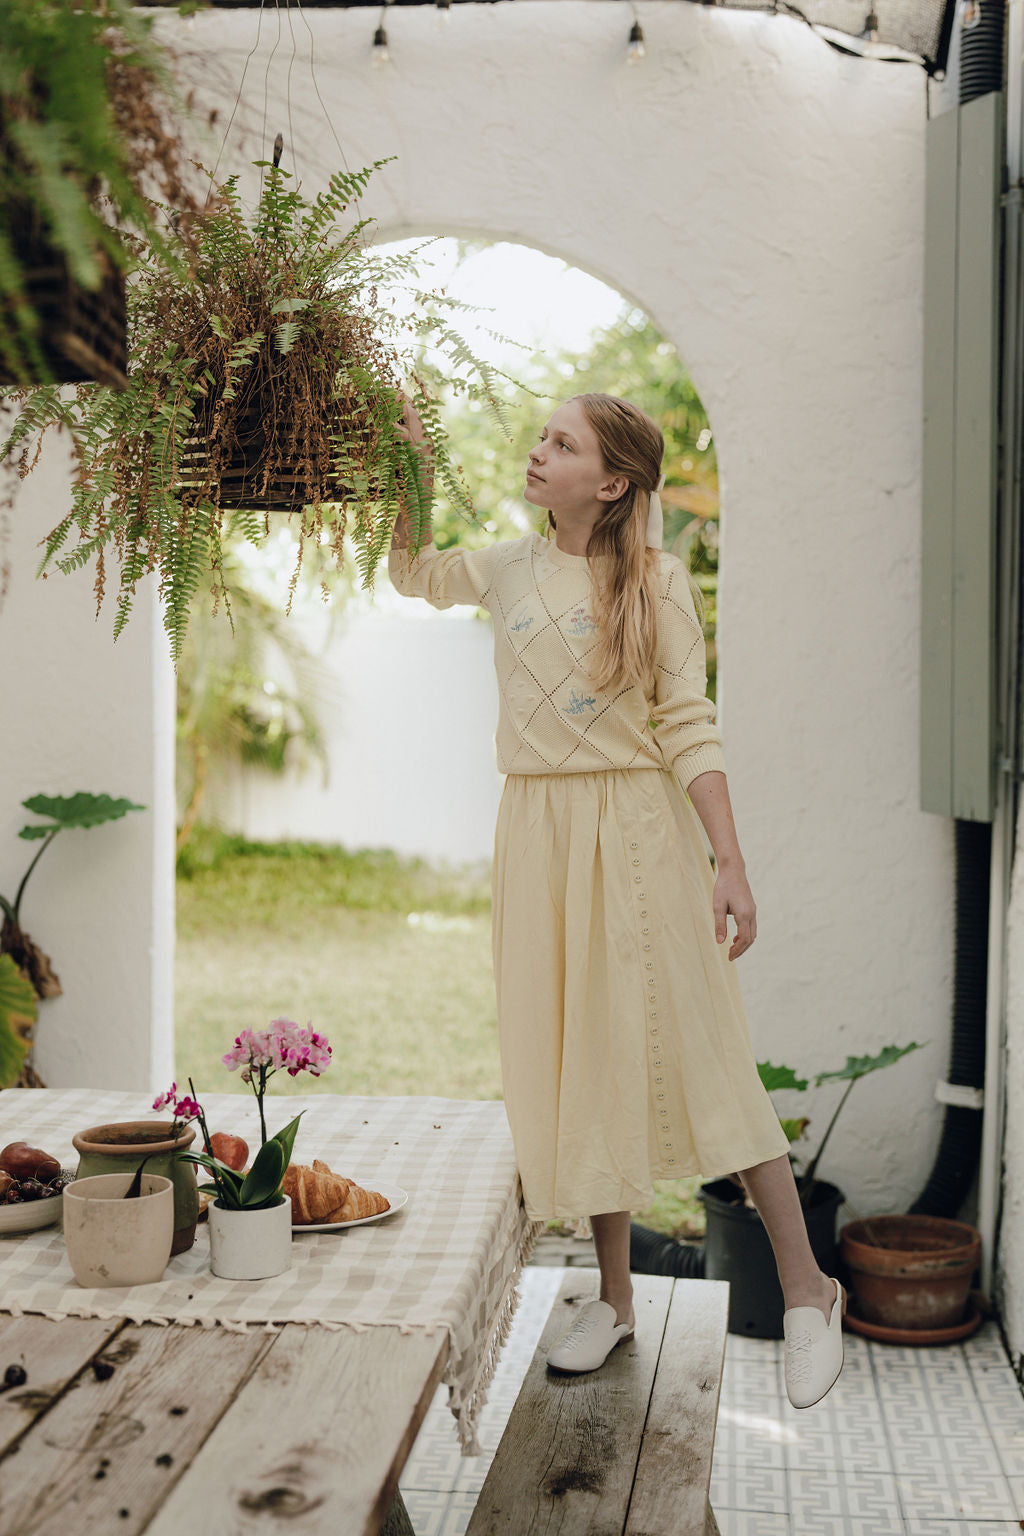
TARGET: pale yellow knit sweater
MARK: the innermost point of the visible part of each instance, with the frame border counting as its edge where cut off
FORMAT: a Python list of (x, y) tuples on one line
[(551, 718)]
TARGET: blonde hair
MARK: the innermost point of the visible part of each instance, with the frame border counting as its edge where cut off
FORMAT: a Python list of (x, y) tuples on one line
[(627, 589)]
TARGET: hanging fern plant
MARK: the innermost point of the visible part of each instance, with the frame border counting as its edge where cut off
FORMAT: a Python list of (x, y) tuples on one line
[(86, 96), (269, 377)]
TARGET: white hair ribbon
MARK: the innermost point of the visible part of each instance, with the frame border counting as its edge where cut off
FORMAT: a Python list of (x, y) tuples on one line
[(655, 522)]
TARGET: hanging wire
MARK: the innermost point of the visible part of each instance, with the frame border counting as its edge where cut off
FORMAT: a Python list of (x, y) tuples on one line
[(266, 77), (316, 87), (234, 109), (288, 91)]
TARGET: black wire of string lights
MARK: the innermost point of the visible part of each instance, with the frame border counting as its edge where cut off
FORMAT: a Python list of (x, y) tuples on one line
[(636, 44)]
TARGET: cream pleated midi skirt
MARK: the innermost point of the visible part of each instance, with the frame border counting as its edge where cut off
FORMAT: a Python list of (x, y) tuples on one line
[(625, 1050)]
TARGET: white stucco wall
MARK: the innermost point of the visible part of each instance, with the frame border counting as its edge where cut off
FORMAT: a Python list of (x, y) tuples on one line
[(408, 716), (762, 198), (81, 713)]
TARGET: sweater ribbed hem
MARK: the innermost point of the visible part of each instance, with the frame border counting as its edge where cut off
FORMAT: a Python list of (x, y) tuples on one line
[(706, 759)]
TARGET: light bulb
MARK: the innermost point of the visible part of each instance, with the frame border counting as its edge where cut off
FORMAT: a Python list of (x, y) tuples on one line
[(636, 43), (380, 46), (444, 12), (870, 32)]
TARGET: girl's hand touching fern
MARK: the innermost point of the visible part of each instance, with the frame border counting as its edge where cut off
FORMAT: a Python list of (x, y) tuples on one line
[(412, 431)]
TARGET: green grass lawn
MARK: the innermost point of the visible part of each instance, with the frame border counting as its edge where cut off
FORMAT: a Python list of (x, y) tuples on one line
[(390, 957)]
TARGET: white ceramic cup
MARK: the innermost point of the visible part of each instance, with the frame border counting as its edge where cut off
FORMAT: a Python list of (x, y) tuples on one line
[(111, 1241)]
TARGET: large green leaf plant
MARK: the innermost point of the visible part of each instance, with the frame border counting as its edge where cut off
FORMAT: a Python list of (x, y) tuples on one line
[(22, 963), (855, 1068)]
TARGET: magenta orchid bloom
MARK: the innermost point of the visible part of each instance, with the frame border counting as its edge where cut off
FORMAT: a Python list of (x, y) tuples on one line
[(183, 1107), (285, 1046)]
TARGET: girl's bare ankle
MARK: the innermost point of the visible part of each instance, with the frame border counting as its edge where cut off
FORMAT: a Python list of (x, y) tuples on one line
[(623, 1306)]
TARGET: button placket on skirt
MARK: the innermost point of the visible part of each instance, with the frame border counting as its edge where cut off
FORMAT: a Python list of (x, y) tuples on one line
[(656, 1058)]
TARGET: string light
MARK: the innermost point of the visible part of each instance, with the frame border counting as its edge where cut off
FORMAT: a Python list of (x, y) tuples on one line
[(870, 32), (636, 43), (444, 11), (380, 44)]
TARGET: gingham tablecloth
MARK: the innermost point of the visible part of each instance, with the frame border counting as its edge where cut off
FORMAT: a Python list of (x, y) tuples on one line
[(449, 1259)]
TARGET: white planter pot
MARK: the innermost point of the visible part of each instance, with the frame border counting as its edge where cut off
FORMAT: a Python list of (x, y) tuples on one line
[(250, 1245), (112, 1241)]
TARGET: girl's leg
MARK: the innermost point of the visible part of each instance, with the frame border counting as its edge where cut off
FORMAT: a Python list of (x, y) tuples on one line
[(772, 1188), (611, 1240)]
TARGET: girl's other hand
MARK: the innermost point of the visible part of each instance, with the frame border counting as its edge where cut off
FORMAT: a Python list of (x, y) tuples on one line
[(732, 894), (411, 426)]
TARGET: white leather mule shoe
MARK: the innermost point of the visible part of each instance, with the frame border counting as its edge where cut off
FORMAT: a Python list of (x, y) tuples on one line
[(813, 1350), (591, 1338)]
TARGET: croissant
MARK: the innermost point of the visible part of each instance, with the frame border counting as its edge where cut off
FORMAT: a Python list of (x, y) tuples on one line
[(313, 1192), (318, 1195)]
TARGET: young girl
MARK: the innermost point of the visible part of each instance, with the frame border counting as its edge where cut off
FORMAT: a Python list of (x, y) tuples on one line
[(625, 1051)]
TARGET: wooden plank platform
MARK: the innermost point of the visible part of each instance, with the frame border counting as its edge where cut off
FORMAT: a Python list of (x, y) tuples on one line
[(625, 1450)]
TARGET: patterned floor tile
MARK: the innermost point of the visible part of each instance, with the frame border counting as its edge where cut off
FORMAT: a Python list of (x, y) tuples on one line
[(839, 1439), (739, 1347), (948, 1464), (755, 1434), (435, 1461), (743, 1379), (986, 1344), (456, 1515), (745, 1485), (426, 1510), (751, 1522), (851, 1504), (948, 1497), (1015, 1478), (915, 1527)]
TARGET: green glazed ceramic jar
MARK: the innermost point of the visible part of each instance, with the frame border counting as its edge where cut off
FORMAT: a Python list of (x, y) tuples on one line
[(121, 1145)]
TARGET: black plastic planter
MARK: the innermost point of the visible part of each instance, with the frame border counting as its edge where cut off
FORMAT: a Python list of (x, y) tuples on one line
[(737, 1248)]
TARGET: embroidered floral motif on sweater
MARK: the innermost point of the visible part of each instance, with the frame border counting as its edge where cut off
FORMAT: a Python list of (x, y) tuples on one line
[(544, 622), (581, 622), (520, 621), (579, 704)]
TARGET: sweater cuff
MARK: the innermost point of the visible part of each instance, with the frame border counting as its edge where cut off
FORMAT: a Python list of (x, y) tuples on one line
[(706, 759)]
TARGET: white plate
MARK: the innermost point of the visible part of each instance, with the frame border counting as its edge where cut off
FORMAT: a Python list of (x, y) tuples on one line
[(391, 1192), (28, 1215)]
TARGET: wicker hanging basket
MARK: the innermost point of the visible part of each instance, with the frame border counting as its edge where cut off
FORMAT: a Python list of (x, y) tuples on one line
[(288, 485), (82, 333)]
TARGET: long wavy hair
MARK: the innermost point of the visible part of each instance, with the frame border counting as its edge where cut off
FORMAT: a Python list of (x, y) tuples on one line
[(626, 586)]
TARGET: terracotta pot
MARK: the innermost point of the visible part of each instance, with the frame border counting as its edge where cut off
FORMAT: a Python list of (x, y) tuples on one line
[(910, 1271), (120, 1146), (113, 1241), (250, 1245)]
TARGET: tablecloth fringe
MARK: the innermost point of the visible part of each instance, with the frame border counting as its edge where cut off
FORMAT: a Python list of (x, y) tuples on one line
[(467, 1406), (12, 1308)]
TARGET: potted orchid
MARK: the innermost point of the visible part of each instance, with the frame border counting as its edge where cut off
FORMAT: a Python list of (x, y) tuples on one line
[(251, 1217)]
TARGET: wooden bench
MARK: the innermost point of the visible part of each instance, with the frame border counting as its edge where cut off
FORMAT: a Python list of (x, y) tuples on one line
[(624, 1450)]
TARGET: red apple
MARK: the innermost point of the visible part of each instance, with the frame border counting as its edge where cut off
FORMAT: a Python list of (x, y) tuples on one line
[(232, 1150)]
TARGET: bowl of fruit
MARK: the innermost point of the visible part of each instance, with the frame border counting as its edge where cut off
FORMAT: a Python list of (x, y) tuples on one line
[(31, 1186)]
